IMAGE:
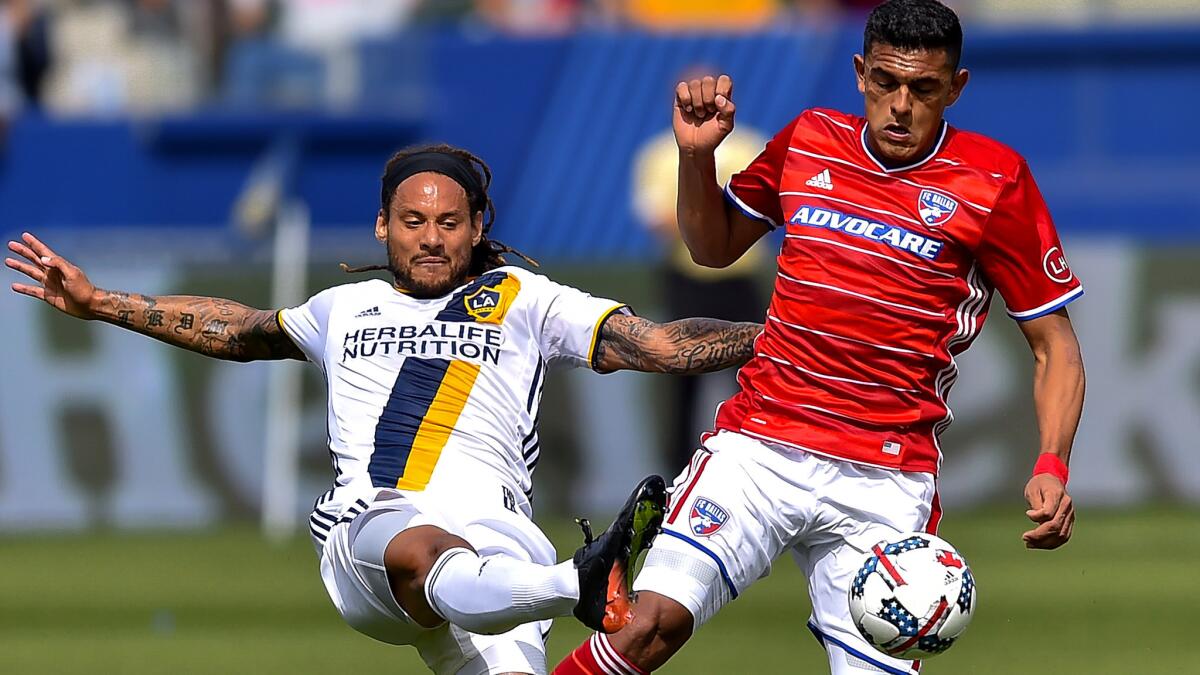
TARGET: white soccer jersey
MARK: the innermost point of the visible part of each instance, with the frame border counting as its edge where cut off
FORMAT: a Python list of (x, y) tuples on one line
[(436, 394)]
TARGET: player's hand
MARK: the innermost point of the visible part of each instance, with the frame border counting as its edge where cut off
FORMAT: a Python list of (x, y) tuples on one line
[(1050, 506), (60, 284), (703, 113)]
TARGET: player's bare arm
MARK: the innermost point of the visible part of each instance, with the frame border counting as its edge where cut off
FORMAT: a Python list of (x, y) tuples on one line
[(1058, 387), (715, 233), (214, 327), (684, 347)]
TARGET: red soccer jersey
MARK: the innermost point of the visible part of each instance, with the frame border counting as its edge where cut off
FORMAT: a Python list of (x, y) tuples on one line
[(884, 276)]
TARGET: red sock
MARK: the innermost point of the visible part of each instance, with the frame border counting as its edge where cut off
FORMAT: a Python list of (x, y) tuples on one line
[(596, 656)]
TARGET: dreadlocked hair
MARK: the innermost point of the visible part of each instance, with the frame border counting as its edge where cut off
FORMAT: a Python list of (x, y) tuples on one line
[(488, 254)]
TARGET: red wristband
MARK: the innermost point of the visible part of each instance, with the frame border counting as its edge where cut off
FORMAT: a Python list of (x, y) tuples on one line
[(1051, 464)]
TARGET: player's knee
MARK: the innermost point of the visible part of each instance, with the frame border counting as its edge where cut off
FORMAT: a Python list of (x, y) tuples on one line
[(408, 558), (413, 552), (660, 627), (408, 554)]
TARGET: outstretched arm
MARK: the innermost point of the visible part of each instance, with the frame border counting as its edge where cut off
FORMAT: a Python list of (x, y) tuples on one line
[(684, 347), (715, 233), (1058, 385), (214, 327)]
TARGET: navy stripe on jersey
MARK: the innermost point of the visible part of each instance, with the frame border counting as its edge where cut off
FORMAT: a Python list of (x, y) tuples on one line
[(416, 386), (529, 444), (337, 469), (321, 522), (318, 528), (535, 385), (353, 512)]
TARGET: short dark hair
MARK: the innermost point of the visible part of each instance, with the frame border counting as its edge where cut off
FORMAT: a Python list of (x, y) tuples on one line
[(915, 24)]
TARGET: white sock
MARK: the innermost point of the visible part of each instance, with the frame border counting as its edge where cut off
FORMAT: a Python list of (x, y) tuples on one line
[(495, 594)]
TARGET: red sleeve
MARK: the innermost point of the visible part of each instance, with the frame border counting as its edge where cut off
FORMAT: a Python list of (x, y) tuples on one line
[(1021, 255), (755, 190)]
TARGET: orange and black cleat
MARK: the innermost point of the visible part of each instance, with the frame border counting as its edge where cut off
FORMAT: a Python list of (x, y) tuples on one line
[(604, 562)]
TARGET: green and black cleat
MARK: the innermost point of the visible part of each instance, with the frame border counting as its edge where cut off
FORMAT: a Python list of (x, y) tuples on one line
[(604, 562)]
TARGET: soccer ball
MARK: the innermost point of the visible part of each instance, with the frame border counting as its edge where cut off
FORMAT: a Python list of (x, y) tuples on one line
[(913, 596)]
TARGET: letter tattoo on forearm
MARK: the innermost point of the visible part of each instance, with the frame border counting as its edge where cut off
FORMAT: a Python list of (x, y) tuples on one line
[(186, 321), (211, 326), (684, 347)]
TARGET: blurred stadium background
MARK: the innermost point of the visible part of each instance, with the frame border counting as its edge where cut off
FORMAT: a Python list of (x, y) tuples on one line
[(203, 146)]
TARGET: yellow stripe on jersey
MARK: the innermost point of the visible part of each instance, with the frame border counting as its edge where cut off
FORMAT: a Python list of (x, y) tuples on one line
[(438, 424), (591, 353), (490, 304)]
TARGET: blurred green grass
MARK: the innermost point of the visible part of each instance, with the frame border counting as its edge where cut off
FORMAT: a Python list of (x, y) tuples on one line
[(1120, 599)]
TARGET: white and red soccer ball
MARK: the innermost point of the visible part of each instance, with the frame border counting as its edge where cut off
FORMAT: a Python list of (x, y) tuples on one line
[(913, 596)]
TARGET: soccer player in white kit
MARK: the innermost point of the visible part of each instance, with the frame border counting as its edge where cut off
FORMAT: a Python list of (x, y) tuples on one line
[(434, 382)]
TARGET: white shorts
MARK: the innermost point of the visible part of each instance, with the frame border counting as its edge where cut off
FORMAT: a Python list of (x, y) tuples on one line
[(740, 504), (353, 571)]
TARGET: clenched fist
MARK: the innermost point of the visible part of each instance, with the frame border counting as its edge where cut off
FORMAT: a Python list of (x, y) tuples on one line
[(703, 113)]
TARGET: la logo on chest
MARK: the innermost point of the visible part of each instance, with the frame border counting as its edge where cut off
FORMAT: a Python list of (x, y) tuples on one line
[(487, 305)]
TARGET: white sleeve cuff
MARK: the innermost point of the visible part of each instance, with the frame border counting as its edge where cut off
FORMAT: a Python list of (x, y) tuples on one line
[(744, 208), (1052, 306)]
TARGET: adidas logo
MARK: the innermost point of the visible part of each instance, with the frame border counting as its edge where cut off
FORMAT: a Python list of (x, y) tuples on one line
[(374, 311), (821, 180)]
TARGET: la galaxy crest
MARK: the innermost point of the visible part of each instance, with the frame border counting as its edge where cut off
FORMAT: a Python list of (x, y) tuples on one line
[(935, 208), (706, 517), (490, 303)]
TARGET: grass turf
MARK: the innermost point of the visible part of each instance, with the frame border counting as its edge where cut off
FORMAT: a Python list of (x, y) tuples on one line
[(1118, 600)]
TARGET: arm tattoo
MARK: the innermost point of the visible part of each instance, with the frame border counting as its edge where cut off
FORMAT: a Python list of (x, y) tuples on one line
[(684, 347), (214, 328), (211, 326)]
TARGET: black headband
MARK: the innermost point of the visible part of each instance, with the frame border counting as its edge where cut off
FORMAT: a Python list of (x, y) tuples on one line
[(458, 169)]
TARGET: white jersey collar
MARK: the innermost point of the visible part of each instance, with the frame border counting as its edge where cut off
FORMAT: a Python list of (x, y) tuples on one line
[(933, 151)]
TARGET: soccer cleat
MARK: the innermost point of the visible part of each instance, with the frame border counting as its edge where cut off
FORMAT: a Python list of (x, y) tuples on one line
[(604, 562)]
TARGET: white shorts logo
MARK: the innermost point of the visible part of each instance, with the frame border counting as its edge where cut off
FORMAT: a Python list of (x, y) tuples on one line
[(1054, 264)]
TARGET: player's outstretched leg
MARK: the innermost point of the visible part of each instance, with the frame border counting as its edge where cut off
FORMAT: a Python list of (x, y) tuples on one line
[(604, 562), (659, 629), (437, 576)]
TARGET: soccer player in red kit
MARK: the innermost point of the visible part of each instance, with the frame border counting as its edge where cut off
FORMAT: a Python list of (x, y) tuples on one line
[(898, 229)]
